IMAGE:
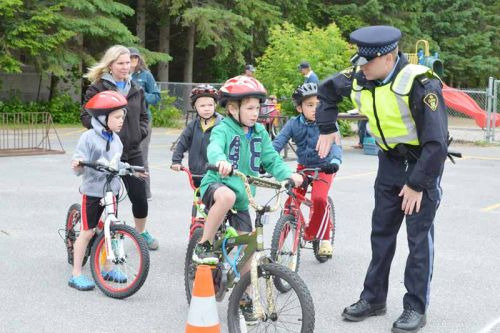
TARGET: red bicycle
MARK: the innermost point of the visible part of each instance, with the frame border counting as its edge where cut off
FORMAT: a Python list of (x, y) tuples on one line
[(289, 237)]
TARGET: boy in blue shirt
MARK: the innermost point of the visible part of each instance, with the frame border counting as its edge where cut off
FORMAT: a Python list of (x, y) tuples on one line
[(304, 131)]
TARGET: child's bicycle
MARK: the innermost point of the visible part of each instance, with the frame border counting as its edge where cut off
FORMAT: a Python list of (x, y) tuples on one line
[(272, 310), (288, 236), (119, 247)]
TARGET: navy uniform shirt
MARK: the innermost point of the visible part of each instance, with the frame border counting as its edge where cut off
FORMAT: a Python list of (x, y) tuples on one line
[(427, 107)]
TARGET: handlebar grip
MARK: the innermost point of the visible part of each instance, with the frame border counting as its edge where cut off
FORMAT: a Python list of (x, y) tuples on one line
[(212, 167), (137, 168), (215, 168), (87, 164)]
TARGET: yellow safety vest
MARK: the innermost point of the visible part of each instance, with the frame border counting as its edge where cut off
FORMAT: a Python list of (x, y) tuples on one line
[(389, 104)]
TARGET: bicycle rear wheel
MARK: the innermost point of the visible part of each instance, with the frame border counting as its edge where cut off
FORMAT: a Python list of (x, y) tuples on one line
[(282, 248), (294, 311), (323, 259), (73, 226), (127, 273)]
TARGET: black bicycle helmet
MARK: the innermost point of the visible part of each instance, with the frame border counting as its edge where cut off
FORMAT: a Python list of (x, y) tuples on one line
[(203, 90), (303, 91)]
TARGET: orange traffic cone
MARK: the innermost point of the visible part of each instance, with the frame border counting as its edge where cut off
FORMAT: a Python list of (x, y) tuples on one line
[(203, 317)]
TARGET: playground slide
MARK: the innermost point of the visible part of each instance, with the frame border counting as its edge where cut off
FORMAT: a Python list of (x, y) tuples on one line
[(461, 102)]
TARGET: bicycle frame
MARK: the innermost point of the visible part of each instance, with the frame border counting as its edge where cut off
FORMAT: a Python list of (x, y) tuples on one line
[(110, 207), (254, 242), (198, 216)]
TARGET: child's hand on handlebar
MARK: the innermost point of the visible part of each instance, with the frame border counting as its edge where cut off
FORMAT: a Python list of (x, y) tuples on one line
[(297, 179), (142, 175), (176, 167), (75, 165), (225, 168)]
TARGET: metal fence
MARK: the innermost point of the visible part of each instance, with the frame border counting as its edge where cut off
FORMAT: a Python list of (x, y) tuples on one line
[(28, 133), (460, 115)]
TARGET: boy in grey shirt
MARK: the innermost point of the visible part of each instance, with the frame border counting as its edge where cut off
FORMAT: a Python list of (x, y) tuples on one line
[(100, 143)]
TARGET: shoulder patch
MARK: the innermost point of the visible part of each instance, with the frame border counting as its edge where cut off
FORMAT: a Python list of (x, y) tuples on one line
[(348, 72), (431, 100)]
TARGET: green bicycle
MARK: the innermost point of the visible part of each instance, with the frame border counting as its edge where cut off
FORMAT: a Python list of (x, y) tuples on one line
[(273, 311)]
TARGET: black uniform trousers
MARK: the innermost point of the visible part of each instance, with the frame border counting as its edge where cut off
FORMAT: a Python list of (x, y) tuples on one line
[(386, 221)]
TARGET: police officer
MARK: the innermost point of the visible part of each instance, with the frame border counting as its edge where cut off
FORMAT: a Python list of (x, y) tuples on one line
[(405, 109)]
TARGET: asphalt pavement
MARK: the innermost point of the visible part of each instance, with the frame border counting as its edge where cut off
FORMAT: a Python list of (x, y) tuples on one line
[(36, 191)]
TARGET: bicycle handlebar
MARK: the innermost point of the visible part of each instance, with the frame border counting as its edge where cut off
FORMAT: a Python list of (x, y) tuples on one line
[(191, 177), (260, 182), (127, 170)]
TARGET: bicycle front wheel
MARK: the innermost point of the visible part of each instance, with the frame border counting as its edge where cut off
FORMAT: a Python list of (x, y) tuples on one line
[(284, 248), (124, 276), (189, 264), (293, 311)]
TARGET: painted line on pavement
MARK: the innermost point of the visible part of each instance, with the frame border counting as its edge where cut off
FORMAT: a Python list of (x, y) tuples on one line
[(490, 208), (471, 157), (356, 175), (73, 132), (488, 328)]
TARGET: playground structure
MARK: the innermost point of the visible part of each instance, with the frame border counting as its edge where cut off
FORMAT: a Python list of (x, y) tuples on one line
[(457, 99)]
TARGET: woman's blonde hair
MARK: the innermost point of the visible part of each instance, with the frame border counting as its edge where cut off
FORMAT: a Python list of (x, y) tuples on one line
[(112, 54)]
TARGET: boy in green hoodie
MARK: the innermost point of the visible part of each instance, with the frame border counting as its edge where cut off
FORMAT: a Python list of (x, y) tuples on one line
[(241, 143)]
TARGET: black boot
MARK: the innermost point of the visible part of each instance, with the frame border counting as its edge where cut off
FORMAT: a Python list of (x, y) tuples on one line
[(410, 321), (362, 309)]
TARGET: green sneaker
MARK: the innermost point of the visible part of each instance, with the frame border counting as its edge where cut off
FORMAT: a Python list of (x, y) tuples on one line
[(246, 308), (153, 243), (203, 254)]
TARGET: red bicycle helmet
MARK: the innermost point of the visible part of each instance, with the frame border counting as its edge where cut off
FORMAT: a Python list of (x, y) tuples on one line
[(203, 90), (239, 87), (101, 104)]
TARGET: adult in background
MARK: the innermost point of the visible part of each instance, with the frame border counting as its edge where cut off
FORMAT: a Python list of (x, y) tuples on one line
[(309, 76), (143, 77), (407, 116), (112, 72), (249, 71)]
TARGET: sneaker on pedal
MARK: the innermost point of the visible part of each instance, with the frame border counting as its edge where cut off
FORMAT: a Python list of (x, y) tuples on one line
[(203, 254), (325, 248), (81, 282), (246, 307), (153, 243)]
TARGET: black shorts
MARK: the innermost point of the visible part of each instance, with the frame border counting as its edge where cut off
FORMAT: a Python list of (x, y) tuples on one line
[(92, 211), (241, 221)]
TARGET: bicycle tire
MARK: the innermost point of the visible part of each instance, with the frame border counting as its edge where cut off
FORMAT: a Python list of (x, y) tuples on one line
[(288, 224), (135, 242), (72, 230), (189, 265), (303, 295), (323, 259)]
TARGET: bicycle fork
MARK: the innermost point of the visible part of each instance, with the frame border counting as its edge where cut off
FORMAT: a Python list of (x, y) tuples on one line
[(254, 282)]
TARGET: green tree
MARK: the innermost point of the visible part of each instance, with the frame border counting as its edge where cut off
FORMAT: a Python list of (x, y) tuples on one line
[(324, 48)]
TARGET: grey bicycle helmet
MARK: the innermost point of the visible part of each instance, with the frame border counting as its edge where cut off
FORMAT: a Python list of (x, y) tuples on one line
[(303, 91)]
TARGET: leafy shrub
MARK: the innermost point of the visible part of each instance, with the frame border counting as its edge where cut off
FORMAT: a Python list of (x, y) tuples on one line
[(62, 108), (165, 114), (324, 48)]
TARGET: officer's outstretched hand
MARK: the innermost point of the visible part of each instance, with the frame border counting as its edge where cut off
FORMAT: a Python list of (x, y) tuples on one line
[(325, 143), (411, 200)]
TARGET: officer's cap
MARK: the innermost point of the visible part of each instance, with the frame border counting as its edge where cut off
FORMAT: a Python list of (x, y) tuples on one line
[(374, 41)]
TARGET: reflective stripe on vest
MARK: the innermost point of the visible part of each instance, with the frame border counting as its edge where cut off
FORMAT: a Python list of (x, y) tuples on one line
[(392, 108)]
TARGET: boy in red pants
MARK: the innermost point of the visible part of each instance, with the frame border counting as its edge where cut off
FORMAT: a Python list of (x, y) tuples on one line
[(304, 131)]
